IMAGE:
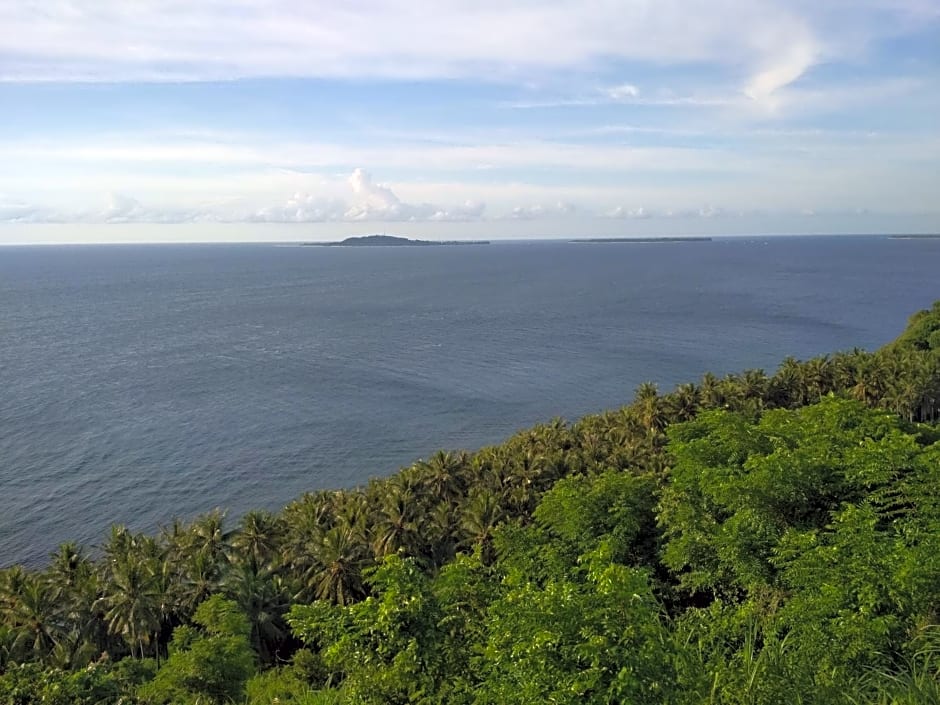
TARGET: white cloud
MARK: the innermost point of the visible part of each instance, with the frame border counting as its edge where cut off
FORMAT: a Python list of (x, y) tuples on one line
[(641, 213), (118, 209), (371, 202), (378, 203), (795, 101), (155, 40), (467, 211), (764, 45), (622, 92), (122, 209), (513, 154), (784, 69), (710, 211), (239, 177), (539, 210), (630, 213), (17, 211), (301, 208)]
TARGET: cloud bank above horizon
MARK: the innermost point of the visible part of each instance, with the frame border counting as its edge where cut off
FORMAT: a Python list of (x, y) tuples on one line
[(561, 113)]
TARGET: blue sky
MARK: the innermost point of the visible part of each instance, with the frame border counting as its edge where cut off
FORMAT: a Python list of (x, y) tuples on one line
[(483, 118)]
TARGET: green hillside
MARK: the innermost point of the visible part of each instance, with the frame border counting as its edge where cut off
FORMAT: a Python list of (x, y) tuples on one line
[(743, 540)]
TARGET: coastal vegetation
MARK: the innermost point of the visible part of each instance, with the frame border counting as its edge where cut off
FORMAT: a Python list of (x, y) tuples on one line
[(749, 539)]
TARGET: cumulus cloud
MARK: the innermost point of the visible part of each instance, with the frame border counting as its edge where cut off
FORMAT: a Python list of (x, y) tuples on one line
[(377, 202), (710, 211), (119, 208), (17, 211), (122, 209), (622, 92), (373, 201), (540, 210), (641, 213), (468, 210), (370, 202), (632, 213), (301, 208)]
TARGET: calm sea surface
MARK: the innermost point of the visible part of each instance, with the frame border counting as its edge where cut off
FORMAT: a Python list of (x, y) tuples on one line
[(139, 383)]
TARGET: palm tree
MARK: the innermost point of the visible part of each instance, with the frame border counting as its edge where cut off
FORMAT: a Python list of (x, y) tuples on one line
[(754, 385), (132, 601), (305, 522), (352, 511), (683, 403), (553, 437), (528, 475), (75, 589), (260, 596), (200, 577), (208, 536), (817, 377), (395, 526), (313, 513), (28, 606), (441, 474), (7, 640), (258, 537), (856, 374), (481, 515), (175, 540), (119, 544), (639, 453), (787, 386), (592, 447), (931, 396), (438, 527), (711, 392), (335, 572), (649, 407), (68, 566)]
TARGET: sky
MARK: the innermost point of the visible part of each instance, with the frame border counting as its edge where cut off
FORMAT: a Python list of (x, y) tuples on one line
[(281, 120)]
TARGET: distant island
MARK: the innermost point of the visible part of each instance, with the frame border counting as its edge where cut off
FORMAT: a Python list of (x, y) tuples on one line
[(392, 241), (915, 237), (643, 239)]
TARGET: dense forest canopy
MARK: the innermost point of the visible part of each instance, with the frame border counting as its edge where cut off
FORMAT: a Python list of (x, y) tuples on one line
[(748, 539)]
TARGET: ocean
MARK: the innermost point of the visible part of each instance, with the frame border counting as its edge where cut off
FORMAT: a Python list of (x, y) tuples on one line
[(142, 383)]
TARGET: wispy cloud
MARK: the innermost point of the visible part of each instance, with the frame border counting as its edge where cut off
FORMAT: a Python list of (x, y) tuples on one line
[(620, 95), (471, 111), (785, 68), (152, 40), (768, 44), (268, 152)]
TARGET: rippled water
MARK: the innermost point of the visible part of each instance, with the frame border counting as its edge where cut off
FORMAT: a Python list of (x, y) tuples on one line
[(138, 383)]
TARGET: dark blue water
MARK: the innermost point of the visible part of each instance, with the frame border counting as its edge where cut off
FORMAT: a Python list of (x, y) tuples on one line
[(142, 383)]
